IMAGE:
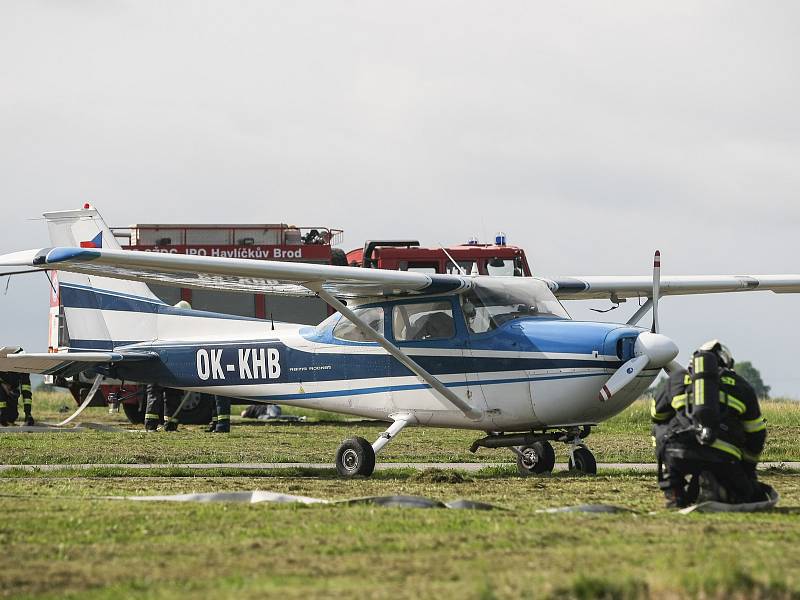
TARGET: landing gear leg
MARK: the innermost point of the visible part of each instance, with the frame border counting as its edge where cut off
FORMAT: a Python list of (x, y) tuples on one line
[(535, 453), (356, 456)]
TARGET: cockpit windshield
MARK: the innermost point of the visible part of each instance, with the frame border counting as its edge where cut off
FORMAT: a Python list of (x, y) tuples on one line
[(494, 301)]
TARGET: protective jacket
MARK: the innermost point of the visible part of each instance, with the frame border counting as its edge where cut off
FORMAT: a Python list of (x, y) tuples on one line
[(740, 429)]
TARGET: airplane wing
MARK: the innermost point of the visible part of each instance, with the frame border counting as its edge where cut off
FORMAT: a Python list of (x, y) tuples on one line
[(13, 359), (296, 279), (618, 287), (235, 274)]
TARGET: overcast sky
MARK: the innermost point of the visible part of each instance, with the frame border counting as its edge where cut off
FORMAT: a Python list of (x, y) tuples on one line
[(592, 133)]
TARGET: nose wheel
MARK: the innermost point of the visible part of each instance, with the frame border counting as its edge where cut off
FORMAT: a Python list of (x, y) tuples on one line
[(536, 459), (582, 460)]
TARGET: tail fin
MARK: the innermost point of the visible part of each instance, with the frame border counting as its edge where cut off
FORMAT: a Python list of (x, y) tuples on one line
[(100, 312)]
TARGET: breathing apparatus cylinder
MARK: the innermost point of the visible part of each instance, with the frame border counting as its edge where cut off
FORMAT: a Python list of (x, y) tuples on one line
[(704, 395)]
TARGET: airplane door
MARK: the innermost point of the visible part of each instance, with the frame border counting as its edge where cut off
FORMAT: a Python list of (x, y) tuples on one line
[(504, 381), (365, 366), (429, 333)]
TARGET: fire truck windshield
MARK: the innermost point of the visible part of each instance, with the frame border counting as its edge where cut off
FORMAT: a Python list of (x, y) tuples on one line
[(494, 301)]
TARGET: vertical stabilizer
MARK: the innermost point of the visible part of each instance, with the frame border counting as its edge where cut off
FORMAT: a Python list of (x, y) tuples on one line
[(101, 312)]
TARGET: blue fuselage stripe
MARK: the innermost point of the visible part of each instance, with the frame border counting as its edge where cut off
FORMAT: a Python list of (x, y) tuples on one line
[(418, 386), (178, 365), (78, 296)]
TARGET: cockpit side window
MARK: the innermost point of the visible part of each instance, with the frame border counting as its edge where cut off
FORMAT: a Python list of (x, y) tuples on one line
[(416, 321), (346, 330)]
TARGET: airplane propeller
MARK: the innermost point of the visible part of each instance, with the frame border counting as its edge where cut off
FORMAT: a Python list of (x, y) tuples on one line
[(651, 350), (656, 289)]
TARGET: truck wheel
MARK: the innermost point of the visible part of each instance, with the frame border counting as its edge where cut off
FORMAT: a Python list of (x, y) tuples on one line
[(134, 412)]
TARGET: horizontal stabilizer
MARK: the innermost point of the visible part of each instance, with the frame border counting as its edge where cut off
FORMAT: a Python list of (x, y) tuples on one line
[(13, 359)]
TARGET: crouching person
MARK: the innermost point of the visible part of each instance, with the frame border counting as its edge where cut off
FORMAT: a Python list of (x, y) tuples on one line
[(709, 432)]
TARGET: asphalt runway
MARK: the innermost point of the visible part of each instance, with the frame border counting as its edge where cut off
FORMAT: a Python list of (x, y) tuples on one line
[(642, 467)]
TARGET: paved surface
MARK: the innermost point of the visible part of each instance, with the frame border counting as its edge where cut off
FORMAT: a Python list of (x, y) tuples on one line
[(644, 467)]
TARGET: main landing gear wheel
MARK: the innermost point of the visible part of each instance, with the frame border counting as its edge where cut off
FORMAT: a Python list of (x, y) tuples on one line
[(581, 459), (536, 459), (355, 457)]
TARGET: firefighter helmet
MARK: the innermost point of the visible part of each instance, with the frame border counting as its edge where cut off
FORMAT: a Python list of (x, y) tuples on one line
[(721, 350)]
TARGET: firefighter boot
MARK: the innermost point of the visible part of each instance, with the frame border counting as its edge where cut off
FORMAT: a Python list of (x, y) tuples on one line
[(171, 425), (151, 422), (212, 427), (9, 412), (29, 420), (223, 410), (675, 498)]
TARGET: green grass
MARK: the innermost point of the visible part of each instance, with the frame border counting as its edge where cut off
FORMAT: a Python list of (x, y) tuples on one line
[(62, 540), (625, 438)]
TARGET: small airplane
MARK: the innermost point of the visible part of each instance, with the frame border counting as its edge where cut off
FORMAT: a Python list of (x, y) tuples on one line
[(498, 355)]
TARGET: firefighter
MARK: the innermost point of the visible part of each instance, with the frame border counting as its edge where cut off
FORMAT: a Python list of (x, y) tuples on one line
[(12, 386), (161, 405), (709, 432), (220, 415)]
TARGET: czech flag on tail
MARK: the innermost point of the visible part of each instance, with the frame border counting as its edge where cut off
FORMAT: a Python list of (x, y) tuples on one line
[(95, 242)]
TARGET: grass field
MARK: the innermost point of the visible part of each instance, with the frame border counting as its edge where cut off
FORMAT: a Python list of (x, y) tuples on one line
[(63, 539), (626, 438)]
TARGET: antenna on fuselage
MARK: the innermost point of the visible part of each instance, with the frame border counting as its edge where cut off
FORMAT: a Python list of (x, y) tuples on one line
[(452, 260)]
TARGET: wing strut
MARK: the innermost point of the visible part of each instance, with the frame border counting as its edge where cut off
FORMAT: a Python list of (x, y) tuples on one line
[(464, 407), (641, 312)]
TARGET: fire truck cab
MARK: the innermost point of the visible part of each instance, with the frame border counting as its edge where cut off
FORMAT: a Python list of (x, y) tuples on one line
[(472, 258)]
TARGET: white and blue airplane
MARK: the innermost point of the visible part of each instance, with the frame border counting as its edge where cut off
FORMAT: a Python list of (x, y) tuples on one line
[(499, 355)]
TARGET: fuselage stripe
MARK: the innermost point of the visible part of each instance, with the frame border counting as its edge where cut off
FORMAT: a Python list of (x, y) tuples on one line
[(419, 386)]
